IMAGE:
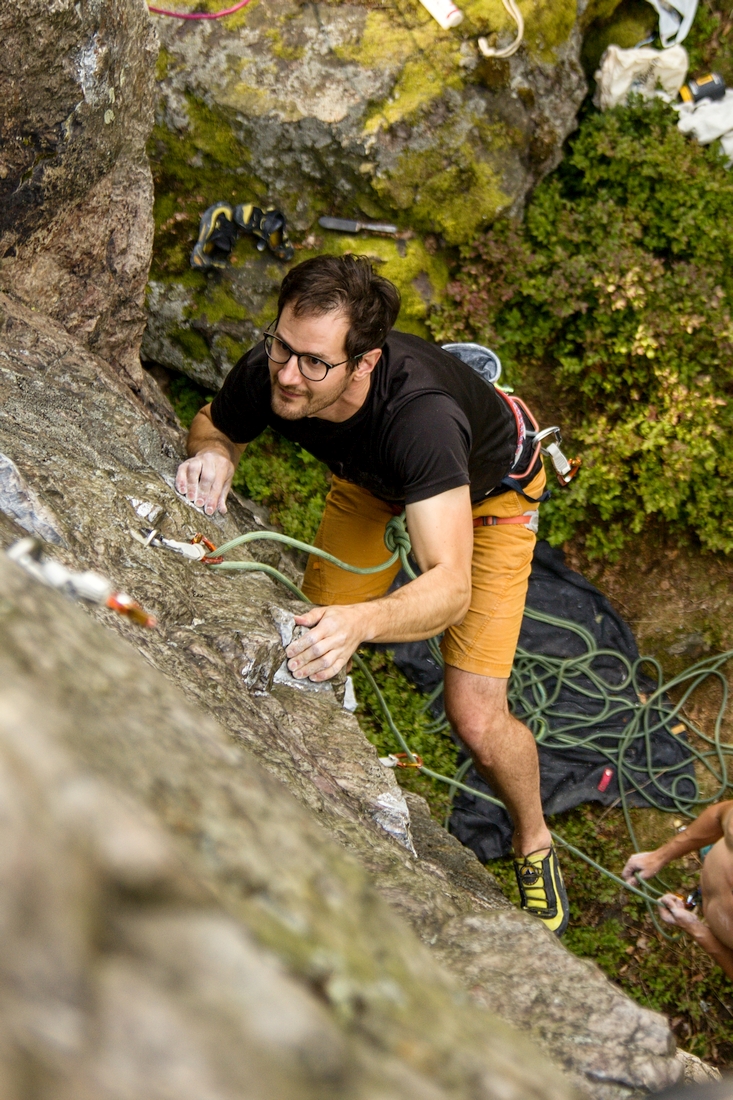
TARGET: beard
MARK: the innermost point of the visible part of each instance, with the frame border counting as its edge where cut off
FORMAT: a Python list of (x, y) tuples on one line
[(302, 403)]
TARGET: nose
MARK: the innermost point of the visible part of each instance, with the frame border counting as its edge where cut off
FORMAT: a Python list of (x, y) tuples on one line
[(289, 374)]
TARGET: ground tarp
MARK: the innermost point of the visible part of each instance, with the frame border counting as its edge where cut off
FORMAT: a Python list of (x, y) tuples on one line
[(571, 772)]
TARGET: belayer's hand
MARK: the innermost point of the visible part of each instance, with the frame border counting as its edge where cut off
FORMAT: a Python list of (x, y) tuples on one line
[(673, 910), (648, 864), (332, 639), (205, 480)]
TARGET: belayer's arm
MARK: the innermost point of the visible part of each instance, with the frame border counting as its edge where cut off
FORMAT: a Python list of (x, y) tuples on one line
[(673, 911), (205, 478), (709, 827), (441, 532)]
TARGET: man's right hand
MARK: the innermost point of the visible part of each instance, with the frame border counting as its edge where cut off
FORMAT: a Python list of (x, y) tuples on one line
[(205, 480), (647, 864)]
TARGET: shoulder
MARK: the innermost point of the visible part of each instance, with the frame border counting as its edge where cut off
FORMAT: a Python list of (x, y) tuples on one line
[(404, 345), (726, 820)]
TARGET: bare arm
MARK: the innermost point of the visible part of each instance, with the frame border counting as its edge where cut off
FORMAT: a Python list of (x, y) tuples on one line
[(713, 823), (673, 911), (441, 531), (206, 476)]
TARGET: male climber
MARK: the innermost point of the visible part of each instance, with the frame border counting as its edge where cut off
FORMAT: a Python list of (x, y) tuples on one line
[(402, 424), (714, 933)]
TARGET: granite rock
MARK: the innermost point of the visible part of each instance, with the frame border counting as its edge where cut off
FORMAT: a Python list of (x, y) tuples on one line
[(350, 110)]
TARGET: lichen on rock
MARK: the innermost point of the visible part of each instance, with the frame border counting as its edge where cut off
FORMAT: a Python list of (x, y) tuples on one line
[(353, 111)]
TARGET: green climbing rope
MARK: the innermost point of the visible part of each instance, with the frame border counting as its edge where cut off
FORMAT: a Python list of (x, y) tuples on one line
[(535, 687)]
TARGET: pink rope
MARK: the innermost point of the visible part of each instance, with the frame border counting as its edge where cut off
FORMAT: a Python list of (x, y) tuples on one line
[(199, 14)]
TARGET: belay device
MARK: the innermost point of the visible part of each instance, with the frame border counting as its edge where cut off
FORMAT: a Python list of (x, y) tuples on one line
[(487, 364)]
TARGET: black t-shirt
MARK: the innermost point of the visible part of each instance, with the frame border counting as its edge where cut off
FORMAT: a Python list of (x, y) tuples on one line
[(428, 424)]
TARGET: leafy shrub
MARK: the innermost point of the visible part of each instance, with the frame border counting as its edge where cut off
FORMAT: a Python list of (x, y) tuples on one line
[(292, 483), (612, 301)]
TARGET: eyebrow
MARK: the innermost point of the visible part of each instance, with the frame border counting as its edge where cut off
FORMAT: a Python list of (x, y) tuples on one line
[(312, 354)]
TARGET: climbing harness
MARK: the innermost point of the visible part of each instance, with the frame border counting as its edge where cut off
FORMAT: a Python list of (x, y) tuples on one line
[(486, 363), (489, 51), (221, 224), (530, 519)]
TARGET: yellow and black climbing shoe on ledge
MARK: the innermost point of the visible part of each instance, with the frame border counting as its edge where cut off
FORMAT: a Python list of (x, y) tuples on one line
[(542, 889), (217, 234), (267, 227)]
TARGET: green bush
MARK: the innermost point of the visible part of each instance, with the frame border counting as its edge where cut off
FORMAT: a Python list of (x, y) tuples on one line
[(292, 483), (612, 302)]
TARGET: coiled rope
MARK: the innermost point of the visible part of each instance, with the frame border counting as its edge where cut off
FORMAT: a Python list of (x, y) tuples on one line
[(535, 687)]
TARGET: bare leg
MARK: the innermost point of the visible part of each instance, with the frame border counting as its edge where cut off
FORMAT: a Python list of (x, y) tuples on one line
[(503, 750)]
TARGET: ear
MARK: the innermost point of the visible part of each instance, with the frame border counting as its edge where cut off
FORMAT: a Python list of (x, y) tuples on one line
[(367, 363)]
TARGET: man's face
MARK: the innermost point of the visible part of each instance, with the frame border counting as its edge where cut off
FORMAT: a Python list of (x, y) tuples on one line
[(293, 396)]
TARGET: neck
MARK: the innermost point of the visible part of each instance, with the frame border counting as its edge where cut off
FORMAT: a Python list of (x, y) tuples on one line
[(349, 402)]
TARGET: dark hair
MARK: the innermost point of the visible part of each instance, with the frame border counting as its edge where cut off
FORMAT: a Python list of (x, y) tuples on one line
[(327, 283)]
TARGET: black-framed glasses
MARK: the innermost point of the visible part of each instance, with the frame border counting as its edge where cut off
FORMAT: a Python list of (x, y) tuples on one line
[(310, 366)]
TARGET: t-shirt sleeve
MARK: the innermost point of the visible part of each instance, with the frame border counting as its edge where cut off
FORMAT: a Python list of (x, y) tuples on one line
[(429, 444), (241, 408)]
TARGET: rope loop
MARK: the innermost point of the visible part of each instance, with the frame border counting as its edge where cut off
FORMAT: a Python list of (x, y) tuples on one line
[(396, 537)]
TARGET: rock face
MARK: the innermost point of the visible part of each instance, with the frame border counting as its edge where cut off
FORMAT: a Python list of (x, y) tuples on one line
[(87, 450), (254, 867), (211, 887), (75, 186), (352, 110)]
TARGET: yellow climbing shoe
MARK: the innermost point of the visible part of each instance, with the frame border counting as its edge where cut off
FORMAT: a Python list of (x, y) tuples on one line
[(542, 890)]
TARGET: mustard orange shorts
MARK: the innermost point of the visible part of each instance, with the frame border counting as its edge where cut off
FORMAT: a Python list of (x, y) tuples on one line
[(352, 529)]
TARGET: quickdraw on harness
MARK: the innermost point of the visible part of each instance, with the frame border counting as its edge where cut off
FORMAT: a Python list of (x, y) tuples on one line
[(529, 450), (221, 224)]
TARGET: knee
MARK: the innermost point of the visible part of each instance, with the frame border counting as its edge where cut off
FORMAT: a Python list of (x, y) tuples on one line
[(482, 732)]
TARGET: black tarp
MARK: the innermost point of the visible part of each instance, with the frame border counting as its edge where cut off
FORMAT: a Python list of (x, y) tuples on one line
[(569, 776)]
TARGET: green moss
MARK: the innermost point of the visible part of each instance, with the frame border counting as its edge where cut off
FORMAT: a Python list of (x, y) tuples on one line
[(547, 23), (384, 42), (192, 170), (448, 189), (419, 84), (217, 304), (630, 22), (549, 26), (190, 342), (163, 64), (597, 10), (235, 21), (420, 276), (279, 47)]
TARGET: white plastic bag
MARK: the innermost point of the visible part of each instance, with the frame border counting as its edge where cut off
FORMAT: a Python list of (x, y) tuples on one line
[(643, 71), (675, 19), (709, 119)]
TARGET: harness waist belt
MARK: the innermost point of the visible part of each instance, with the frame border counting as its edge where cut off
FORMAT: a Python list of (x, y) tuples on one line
[(530, 519)]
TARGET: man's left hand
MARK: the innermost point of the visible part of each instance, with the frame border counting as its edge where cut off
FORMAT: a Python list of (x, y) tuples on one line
[(673, 910), (333, 635)]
